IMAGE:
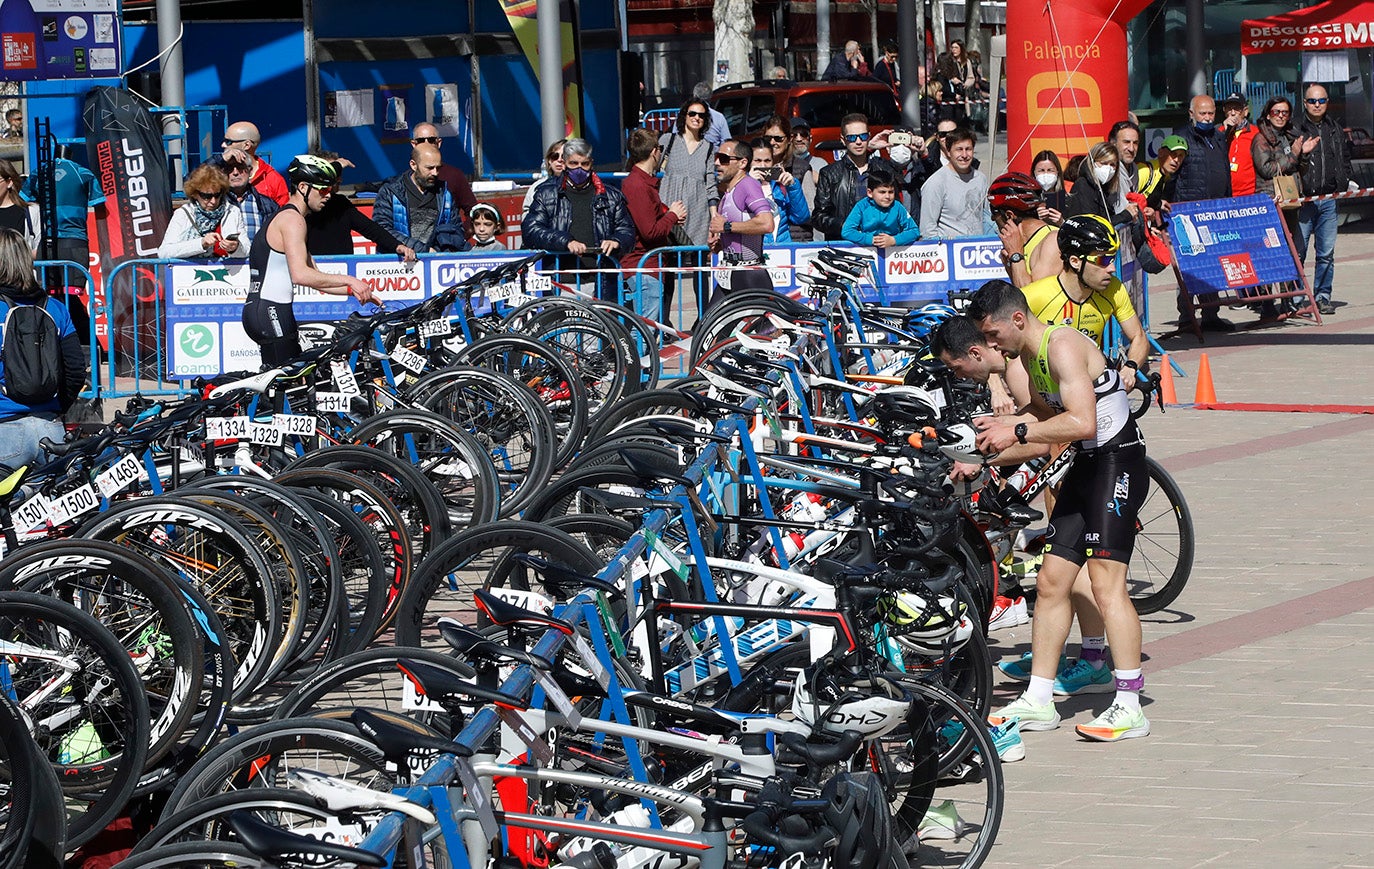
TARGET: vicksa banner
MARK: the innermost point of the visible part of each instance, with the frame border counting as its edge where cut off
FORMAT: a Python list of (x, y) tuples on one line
[(1231, 244)]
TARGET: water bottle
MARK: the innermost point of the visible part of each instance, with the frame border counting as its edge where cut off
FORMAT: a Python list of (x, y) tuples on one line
[(806, 507)]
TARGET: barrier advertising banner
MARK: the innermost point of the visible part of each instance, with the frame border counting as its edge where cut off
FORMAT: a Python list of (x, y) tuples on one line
[(1231, 244), (48, 39), (124, 149)]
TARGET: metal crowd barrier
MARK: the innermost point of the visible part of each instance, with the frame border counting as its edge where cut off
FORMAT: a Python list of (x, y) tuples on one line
[(57, 276)]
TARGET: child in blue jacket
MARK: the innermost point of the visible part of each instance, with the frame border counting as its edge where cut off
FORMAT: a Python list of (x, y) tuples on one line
[(880, 221)]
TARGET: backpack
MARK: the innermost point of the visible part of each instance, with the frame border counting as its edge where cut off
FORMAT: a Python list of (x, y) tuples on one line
[(31, 352)]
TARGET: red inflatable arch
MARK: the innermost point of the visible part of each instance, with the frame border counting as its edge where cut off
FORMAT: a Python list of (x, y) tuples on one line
[(1066, 74)]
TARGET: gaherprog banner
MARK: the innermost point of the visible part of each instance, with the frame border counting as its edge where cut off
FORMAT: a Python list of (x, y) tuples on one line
[(124, 150)]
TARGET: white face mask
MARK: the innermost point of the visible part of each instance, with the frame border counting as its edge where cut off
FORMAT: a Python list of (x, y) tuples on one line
[(900, 154), (1103, 174), (1046, 180)]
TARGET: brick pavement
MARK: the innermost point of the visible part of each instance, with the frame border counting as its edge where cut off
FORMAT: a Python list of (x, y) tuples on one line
[(1253, 678)]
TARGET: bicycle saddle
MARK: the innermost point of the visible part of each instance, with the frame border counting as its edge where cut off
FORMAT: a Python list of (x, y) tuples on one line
[(447, 689), (563, 579), (468, 642), (256, 383), (506, 613), (10, 480), (272, 843), (705, 403), (678, 427), (641, 468)]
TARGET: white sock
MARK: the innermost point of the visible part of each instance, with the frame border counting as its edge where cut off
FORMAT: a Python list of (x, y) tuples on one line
[(1093, 650), (1130, 698), (1041, 690)]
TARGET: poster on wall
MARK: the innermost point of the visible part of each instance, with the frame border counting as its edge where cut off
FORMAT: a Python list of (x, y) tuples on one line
[(48, 39), (442, 109), (348, 108), (395, 118)]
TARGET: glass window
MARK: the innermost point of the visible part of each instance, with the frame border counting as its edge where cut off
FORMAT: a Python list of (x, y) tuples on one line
[(761, 108), (825, 108), (733, 108)]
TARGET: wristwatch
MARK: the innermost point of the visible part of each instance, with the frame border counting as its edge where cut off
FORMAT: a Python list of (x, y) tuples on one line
[(1021, 431), (1016, 257), (728, 225)]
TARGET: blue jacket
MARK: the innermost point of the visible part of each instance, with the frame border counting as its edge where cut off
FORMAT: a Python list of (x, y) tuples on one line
[(867, 220), (391, 213), (73, 359), (791, 208), (548, 223)]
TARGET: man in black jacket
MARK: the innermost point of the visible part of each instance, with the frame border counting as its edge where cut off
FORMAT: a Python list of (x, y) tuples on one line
[(842, 183), (1327, 170), (1205, 174)]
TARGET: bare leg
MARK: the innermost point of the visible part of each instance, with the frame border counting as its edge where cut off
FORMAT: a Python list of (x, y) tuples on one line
[(1118, 613), (1053, 614), (1090, 622)]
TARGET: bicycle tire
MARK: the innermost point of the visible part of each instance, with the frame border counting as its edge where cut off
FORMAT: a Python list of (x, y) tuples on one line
[(371, 679), (1153, 530), (195, 855), (33, 829), (197, 822)]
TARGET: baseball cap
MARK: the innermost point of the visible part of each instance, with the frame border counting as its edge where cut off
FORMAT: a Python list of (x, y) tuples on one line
[(1175, 143), (800, 124), (1235, 99)]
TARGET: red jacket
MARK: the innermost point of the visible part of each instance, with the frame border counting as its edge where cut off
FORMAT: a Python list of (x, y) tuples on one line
[(1242, 162), (269, 183), (653, 221)]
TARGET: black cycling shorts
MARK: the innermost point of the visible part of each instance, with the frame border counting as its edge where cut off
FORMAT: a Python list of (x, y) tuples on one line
[(1095, 516), (272, 325)]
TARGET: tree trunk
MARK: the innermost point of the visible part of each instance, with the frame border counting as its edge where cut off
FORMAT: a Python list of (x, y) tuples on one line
[(921, 33), (973, 28), (873, 33), (734, 20), (937, 24)]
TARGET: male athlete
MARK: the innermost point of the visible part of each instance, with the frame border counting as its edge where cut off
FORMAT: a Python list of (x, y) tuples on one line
[(1075, 396)]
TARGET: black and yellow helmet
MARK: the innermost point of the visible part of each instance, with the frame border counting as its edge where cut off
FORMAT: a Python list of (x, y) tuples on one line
[(1085, 234)]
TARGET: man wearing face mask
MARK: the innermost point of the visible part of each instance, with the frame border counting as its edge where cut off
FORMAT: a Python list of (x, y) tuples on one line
[(580, 214), (1206, 174)]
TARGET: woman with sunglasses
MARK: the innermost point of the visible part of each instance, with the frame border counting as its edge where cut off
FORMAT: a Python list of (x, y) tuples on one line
[(208, 225), (553, 168), (1279, 149), (689, 171), (16, 214)]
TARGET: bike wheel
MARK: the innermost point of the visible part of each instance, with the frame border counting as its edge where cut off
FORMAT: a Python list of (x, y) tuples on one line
[(1163, 556), (369, 679), (33, 831), (205, 821)]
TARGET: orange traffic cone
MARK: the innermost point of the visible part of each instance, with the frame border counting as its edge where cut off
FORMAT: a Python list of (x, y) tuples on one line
[(1166, 380), (1206, 393)]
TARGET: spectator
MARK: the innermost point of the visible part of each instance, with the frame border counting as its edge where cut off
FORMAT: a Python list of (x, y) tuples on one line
[(905, 151), (1206, 174), (1277, 148), (418, 208), (838, 188), (954, 199), (1327, 171), (14, 125), (257, 207), (936, 151), (23, 425), (958, 80), (329, 231), (1155, 179), (886, 69), (779, 73), (848, 64), (487, 224), (454, 178), (879, 220), (553, 168), (688, 172), (1125, 135), (208, 225), (1094, 192), (932, 96), (808, 168), (580, 215), (1240, 134), (783, 191), (719, 129), (278, 262), (653, 220), (742, 220), (76, 191), (245, 136), (16, 214), (1049, 174)]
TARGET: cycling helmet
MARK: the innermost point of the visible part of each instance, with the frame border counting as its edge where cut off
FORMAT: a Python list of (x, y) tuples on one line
[(311, 170), (941, 646), (859, 813), (829, 704), (1015, 191), (958, 442), (927, 616), (907, 408), (924, 320), (1085, 234)]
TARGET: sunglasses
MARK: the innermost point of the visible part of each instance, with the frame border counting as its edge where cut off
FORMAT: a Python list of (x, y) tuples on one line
[(1280, 113), (1101, 260), (1315, 101), (554, 156), (775, 139), (428, 140), (801, 134), (697, 115), (322, 187), (856, 137), (228, 142), (209, 197), (726, 158)]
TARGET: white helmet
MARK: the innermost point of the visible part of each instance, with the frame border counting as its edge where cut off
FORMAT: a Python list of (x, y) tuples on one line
[(936, 647), (958, 442), (873, 708), (929, 616)]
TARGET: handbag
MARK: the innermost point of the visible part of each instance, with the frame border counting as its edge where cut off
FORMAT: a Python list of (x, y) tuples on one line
[(1287, 191), (1155, 255)]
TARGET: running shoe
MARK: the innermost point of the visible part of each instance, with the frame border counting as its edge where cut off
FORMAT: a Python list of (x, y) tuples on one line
[(1020, 669), (1116, 724), (1006, 614), (942, 821), (1033, 717), (1084, 678), (1006, 738)]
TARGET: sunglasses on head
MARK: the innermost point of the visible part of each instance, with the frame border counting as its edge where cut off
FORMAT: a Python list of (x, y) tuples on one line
[(1315, 101), (428, 140), (698, 115), (856, 137)]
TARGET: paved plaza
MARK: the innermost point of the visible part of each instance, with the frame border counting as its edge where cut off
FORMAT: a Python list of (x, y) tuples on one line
[(1256, 679)]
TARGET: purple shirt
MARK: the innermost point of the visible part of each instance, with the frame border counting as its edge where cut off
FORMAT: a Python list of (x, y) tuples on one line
[(745, 200)]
